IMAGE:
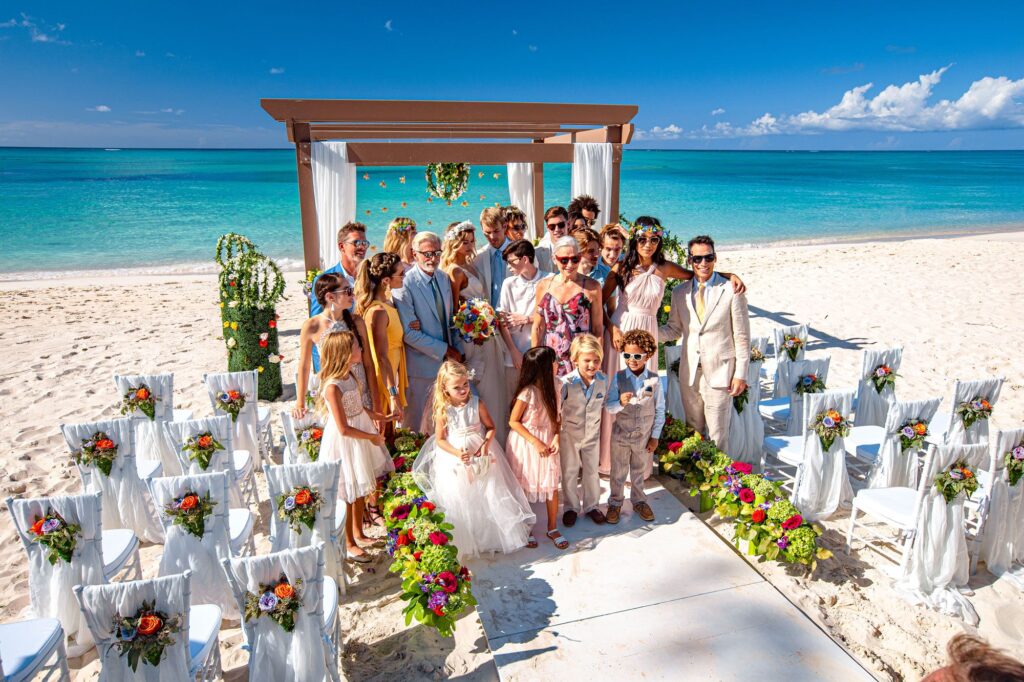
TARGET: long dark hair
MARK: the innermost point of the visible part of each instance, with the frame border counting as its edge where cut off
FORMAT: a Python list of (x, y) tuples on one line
[(325, 284), (538, 371), (632, 258)]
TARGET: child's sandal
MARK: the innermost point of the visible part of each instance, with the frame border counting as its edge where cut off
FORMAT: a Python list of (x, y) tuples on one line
[(560, 542), (531, 542)]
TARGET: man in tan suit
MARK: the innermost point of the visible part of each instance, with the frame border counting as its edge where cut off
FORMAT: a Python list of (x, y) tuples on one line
[(715, 326)]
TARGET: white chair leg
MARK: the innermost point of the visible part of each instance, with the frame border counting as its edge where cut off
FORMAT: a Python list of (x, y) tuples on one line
[(62, 661), (849, 532)]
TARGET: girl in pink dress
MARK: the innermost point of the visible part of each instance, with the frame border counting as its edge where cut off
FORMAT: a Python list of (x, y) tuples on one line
[(532, 447)]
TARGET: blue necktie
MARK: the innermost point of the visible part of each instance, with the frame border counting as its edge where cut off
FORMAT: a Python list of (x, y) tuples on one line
[(497, 276)]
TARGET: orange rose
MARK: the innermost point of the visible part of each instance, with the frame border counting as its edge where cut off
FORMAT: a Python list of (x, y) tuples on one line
[(37, 527), (141, 394), (189, 502), (986, 404), (149, 624), (205, 441), (920, 429), (317, 434), (105, 444), (284, 591), (234, 395), (967, 473), (835, 416), (303, 497)]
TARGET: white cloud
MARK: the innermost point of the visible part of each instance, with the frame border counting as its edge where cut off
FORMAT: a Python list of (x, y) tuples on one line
[(9, 23), (102, 108), (277, 70), (717, 112), (176, 112), (170, 55), (140, 53), (669, 132), (387, 26), (39, 31), (531, 48), (515, 32), (989, 103)]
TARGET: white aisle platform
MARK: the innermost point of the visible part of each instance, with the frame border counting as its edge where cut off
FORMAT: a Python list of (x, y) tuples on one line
[(660, 601)]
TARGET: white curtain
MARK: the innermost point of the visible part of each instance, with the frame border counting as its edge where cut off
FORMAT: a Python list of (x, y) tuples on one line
[(822, 483), (746, 428), (592, 173), (894, 467), (937, 563), (334, 188), (322, 477), (50, 586), (1002, 545), (520, 193)]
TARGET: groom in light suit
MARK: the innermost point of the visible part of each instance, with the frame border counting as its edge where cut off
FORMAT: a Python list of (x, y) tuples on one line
[(715, 326), (425, 297)]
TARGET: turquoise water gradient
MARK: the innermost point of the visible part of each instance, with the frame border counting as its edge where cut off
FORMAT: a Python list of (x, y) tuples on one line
[(71, 209)]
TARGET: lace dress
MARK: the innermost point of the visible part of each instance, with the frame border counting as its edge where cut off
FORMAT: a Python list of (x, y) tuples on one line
[(361, 461), (562, 322), (482, 500), (358, 371), (489, 365)]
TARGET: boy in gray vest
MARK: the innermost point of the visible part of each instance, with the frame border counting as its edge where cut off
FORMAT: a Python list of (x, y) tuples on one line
[(636, 399), (584, 391)]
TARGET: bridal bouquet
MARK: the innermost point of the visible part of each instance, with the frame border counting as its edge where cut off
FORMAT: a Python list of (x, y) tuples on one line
[(955, 480), (141, 399), (200, 448), (309, 440), (57, 535), (144, 635), (476, 321), (809, 383), (883, 376), (278, 601), (792, 346), (231, 402), (98, 451), (1014, 460), (190, 511), (299, 507), (830, 425), (912, 434), (973, 411)]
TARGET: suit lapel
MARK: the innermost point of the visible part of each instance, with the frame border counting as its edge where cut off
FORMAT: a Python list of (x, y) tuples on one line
[(687, 288)]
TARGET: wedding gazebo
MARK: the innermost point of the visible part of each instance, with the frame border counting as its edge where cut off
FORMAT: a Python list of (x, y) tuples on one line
[(333, 136)]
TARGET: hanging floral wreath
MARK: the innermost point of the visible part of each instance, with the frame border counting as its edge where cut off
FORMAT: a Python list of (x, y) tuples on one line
[(447, 181)]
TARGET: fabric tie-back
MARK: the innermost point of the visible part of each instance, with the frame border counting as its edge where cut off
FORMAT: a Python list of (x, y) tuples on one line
[(183, 551), (937, 563), (520, 194), (50, 586), (894, 467), (966, 391), (334, 190), (592, 174), (746, 428), (277, 655), (324, 477), (103, 602), (873, 406), (1002, 545)]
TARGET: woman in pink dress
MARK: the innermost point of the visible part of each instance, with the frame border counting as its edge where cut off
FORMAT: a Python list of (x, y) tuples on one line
[(633, 293)]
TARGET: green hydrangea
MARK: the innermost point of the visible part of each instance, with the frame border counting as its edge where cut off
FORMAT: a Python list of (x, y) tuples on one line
[(802, 545), (405, 444), (406, 481), (437, 558), (781, 510), (422, 528), (761, 486)]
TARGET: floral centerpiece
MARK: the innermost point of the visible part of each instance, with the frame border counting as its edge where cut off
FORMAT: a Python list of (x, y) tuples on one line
[(476, 321), (139, 398), (299, 507), (190, 512), (405, 449), (1014, 461), (958, 478), (100, 451), (973, 411), (912, 434), (278, 601), (231, 402), (792, 345), (309, 440), (57, 535), (809, 383), (882, 376), (144, 635), (830, 425), (200, 448)]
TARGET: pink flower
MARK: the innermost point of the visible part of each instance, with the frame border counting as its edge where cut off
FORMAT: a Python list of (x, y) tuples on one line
[(742, 467), (747, 495), (438, 538), (792, 522)]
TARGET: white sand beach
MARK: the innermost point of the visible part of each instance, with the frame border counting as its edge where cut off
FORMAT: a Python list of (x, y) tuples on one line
[(955, 304)]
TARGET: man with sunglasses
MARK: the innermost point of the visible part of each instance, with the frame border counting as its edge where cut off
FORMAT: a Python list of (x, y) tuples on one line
[(556, 221), (714, 323), (352, 244), (426, 298)]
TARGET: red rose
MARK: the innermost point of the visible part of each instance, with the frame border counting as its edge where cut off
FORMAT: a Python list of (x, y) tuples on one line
[(792, 522), (743, 467), (417, 555), (273, 324), (264, 343), (673, 447), (232, 283), (758, 516), (429, 506), (409, 533), (747, 495), (438, 611), (149, 624), (464, 574), (402, 540), (105, 444), (399, 462), (447, 581), (438, 538), (37, 527)]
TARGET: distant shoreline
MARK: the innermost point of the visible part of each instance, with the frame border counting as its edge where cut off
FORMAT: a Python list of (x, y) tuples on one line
[(627, 148)]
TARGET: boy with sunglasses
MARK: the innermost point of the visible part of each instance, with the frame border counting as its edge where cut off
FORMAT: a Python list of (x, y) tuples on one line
[(636, 400)]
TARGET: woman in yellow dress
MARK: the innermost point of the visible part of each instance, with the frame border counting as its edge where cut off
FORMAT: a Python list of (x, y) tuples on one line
[(376, 278)]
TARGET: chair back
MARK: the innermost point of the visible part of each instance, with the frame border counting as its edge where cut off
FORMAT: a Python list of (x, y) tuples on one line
[(220, 428), (120, 431), (782, 360), (246, 427), (1004, 442), (161, 386), (822, 483), (872, 406), (101, 604), (895, 467), (293, 454), (790, 374), (760, 343), (321, 477), (964, 392)]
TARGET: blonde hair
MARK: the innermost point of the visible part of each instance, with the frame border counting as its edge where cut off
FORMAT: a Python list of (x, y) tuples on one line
[(449, 370), (451, 245), (492, 216), (335, 362), (585, 343), (401, 232), (370, 278)]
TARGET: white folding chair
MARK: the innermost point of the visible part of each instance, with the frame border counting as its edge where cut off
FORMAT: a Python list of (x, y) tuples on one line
[(126, 500), (310, 651), (779, 335), (293, 454), (784, 411), (26, 650), (252, 428), (1002, 518), (237, 463), (149, 434), (871, 406), (746, 428), (788, 451), (949, 427), (877, 452), (195, 653)]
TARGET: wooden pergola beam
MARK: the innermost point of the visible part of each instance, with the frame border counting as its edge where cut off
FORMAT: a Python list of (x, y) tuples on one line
[(422, 153), (435, 132)]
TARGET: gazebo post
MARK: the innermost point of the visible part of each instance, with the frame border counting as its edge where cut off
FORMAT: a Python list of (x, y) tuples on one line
[(307, 200), (538, 200), (613, 204)]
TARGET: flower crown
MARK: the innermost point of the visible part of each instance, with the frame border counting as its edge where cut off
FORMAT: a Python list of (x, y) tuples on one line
[(456, 230), (403, 225), (636, 230)]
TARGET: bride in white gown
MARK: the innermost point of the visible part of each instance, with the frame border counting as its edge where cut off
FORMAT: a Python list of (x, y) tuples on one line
[(466, 474), (486, 361)]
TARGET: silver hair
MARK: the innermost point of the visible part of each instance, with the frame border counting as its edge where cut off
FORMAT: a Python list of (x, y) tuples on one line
[(566, 243), (422, 236)]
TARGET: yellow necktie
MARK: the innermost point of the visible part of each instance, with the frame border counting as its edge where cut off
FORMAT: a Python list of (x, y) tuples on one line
[(700, 302)]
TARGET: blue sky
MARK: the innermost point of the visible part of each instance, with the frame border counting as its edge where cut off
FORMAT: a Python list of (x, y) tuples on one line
[(787, 75)]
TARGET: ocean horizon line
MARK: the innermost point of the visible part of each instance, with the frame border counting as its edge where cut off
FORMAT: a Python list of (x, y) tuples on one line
[(626, 148)]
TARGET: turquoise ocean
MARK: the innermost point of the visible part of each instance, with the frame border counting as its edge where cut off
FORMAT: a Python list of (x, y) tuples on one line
[(162, 210)]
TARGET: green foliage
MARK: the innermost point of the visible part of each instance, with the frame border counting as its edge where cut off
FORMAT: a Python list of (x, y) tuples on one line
[(447, 181)]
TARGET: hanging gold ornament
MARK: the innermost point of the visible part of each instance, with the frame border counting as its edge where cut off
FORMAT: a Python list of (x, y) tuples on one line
[(497, 175), (480, 174), (366, 176), (383, 184), (404, 204), (401, 179)]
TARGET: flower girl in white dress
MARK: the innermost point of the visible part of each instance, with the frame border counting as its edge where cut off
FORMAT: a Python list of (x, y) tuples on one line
[(349, 436), (464, 472)]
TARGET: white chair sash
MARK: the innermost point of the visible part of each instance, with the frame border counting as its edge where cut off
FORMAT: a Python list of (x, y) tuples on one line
[(184, 551), (275, 655), (673, 391), (779, 335), (222, 430), (51, 586), (246, 427), (1002, 545), (791, 373), (872, 406), (964, 391), (894, 468), (102, 603), (746, 428), (126, 500), (324, 477), (937, 562), (150, 442), (822, 483), (293, 454)]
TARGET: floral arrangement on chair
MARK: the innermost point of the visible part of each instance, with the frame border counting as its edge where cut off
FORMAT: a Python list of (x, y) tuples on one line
[(200, 448), (957, 479), (190, 512), (141, 399), (309, 440), (809, 383), (299, 507), (973, 411), (792, 345), (882, 376), (756, 355), (476, 321), (912, 434), (57, 535), (278, 601), (231, 402), (830, 425), (144, 635), (405, 449), (100, 451), (1014, 461)]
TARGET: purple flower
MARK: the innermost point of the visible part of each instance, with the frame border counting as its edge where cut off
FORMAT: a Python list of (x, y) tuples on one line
[(268, 602), (1018, 452), (438, 599), (908, 431), (426, 581), (976, 404), (289, 503), (51, 525), (880, 372), (955, 475), (828, 422), (782, 542)]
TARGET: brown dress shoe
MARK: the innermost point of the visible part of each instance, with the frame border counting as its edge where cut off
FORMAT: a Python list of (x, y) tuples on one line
[(645, 512), (569, 518), (613, 515), (596, 516)]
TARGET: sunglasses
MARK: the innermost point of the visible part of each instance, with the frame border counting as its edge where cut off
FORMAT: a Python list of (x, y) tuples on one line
[(710, 258), (633, 356), (344, 291), (557, 226), (648, 240), (565, 260), (358, 243), (430, 254), (516, 228)]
